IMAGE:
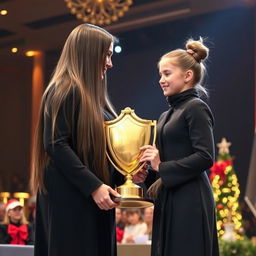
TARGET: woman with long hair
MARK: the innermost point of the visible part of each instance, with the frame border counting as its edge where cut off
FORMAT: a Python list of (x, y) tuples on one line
[(75, 214), (184, 213)]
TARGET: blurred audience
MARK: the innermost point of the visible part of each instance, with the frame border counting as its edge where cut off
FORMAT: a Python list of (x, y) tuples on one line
[(15, 229), (119, 226), (18, 183), (136, 226), (148, 218), (2, 211), (249, 220), (32, 220), (124, 219)]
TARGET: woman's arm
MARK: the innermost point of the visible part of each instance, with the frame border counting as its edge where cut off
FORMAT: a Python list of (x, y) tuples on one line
[(66, 160), (61, 152)]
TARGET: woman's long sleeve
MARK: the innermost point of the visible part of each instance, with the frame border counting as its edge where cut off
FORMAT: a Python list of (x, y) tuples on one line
[(61, 151)]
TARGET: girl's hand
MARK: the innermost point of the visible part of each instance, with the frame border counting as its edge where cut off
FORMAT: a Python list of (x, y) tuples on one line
[(141, 175), (101, 196), (151, 154), (130, 239)]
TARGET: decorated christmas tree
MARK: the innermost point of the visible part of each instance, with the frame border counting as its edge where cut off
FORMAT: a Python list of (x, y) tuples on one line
[(226, 194)]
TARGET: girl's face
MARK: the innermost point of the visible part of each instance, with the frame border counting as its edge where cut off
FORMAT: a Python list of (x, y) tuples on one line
[(15, 214), (134, 218), (173, 79), (108, 61), (148, 215), (118, 215)]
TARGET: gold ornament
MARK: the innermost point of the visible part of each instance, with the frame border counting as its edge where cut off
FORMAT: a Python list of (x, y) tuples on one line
[(100, 12), (224, 146)]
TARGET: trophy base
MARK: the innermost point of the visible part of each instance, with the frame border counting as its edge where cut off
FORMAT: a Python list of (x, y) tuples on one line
[(132, 196), (133, 202)]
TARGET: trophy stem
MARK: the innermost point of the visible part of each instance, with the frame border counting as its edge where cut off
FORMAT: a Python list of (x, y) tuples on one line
[(128, 181), (132, 195)]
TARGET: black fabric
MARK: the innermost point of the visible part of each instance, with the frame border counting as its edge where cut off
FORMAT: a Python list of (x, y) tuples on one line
[(68, 221), (184, 217)]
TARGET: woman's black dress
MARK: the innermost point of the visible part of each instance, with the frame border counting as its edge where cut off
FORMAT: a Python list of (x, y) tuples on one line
[(68, 221)]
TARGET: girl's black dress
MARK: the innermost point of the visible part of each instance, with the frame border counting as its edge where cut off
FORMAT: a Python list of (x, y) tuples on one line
[(184, 219)]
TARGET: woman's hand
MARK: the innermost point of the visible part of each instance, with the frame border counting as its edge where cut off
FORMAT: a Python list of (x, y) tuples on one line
[(141, 175), (151, 154), (101, 196)]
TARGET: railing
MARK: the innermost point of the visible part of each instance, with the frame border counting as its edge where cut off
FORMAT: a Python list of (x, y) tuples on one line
[(122, 250)]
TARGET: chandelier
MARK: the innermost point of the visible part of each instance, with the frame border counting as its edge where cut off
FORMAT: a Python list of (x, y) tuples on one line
[(100, 12)]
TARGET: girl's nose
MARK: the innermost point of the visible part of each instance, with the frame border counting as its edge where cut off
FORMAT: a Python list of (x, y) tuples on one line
[(161, 80)]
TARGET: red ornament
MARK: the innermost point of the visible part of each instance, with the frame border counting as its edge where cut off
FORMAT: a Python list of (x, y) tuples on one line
[(218, 168)]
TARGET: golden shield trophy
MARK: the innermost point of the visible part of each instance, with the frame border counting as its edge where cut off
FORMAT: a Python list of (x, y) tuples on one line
[(125, 136)]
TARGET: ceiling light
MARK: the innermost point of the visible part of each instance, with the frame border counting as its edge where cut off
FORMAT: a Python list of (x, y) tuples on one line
[(14, 50), (100, 12), (31, 53), (118, 49), (3, 12)]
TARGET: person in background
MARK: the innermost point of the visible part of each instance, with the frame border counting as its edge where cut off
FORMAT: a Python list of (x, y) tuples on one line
[(119, 226), (124, 219), (148, 218), (2, 211), (136, 227), (184, 214), (15, 228), (249, 220), (32, 219)]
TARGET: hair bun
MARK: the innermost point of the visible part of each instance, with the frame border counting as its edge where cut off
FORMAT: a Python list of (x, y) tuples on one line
[(197, 49)]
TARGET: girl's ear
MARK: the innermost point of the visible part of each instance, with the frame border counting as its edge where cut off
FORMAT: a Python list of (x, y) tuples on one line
[(189, 75)]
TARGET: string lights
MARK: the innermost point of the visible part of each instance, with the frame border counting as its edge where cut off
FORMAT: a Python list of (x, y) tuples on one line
[(226, 192)]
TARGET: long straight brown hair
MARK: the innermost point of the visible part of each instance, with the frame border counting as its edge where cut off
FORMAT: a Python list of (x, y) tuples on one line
[(79, 70)]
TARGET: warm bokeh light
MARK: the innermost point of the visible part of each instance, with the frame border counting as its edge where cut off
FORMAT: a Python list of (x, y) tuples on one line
[(3, 12), (21, 196), (14, 50), (31, 53)]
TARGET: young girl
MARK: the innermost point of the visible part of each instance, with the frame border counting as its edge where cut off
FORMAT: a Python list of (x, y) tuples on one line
[(15, 229), (148, 218), (136, 226), (184, 215), (119, 226)]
